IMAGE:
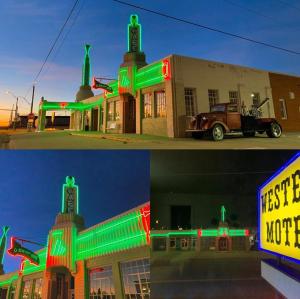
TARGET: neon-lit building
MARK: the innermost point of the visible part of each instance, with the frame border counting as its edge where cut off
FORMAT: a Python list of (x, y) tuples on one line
[(221, 238), (160, 98), (108, 260)]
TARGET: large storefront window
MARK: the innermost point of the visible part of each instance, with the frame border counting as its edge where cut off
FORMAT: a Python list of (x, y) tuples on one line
[(147, 105), (37, 291), (136, 279), (26, 289), (160, 104), (113, 110), (101, 284)]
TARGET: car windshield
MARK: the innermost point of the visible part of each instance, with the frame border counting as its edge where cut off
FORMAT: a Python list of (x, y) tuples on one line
[(217, 108)]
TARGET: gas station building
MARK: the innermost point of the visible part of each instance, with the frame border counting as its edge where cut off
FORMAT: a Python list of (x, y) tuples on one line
[(160, 98), (108, 260)]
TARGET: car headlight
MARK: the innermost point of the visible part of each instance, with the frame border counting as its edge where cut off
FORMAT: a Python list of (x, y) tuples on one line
[(204, 118)]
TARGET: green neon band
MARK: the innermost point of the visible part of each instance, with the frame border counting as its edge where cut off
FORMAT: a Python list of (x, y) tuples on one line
[(179, 233)]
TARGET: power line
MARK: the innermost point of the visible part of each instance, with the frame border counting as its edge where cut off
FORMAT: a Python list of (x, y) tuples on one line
[(208, 28), (55, 41), (288, 4), (249, 9), (65, 37)]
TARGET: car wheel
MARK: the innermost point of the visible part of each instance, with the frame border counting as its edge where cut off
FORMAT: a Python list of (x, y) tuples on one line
[(274, 130), (197, 135), (249, 134), (217, 132)]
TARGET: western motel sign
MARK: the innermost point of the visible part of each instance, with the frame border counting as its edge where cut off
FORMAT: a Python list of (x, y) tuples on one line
[(279, 211)]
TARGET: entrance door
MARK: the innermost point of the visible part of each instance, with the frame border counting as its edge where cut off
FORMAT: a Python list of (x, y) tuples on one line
[(223, 244), (3, 293), (129, 114), (180, 217), (95, 119), (62, 286)]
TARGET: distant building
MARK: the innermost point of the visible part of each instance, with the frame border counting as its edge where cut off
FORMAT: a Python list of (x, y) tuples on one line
[(221, 238), (161, 97), (108, 260)]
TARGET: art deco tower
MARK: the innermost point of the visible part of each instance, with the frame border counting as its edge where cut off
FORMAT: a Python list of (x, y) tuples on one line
[(85, 90)]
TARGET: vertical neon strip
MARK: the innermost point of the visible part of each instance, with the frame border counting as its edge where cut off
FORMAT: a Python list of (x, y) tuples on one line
[(145, 213)]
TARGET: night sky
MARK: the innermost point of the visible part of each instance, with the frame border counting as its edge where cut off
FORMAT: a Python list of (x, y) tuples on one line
[(110, 182), (28, 29)]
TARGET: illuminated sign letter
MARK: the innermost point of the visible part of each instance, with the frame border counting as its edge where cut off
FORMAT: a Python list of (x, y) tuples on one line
[(279, 211)]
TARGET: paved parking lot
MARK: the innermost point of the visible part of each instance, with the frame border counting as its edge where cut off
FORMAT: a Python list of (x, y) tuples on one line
[(210, 275), (95, 140)]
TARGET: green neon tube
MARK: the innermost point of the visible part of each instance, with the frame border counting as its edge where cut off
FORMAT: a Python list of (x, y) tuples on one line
[(177, 233)]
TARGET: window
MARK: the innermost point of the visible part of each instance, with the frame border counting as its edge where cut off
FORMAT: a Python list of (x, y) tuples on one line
[(255, 99), (147, 105), (26, 289), (136, 279), (190, 101), (37, 291), (113, 110), (160, 104), (110, 108), (234, 97), (101, 283), (282, 107), (213, 97), (117, 110)]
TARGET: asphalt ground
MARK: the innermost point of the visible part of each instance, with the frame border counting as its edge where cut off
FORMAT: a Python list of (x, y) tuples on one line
[(95, 140), (211, 275)]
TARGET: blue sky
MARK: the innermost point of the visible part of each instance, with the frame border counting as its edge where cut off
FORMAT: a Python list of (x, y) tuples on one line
[(110, 183), (28, 28)]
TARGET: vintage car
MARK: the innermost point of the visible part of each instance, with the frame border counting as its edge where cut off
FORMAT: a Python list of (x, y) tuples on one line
[(224, 118)]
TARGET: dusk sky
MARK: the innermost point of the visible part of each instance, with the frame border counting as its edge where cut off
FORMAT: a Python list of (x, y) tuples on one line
[(110, 183), (28, 29)]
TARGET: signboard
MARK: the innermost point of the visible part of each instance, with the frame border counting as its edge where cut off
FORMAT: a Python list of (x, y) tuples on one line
[(279, 211), (134, 35), (16, 249), (70, 196), (98, 85)]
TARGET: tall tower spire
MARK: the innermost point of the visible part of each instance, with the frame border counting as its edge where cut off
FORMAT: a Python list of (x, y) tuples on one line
[(3, 240), (85, 90), (86, 68), (134, 55)]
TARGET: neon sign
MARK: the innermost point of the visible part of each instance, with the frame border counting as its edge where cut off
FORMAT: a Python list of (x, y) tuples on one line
[(279, 212), (16, 249), (98, 85)]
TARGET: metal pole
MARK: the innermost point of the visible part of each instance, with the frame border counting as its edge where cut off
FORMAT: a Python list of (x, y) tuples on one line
[(16, 113), (32, 99)]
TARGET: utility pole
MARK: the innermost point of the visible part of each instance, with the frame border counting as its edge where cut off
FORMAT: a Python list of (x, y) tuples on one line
[(31, 116), (32, 98), (16, 114), (11, 115)]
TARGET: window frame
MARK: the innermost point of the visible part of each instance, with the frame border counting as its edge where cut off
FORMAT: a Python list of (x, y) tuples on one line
[(190, 101), (282, 104), (162, 112), (213, 99)]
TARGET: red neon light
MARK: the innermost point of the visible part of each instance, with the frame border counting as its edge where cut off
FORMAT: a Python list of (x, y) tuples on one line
[(247, 233), (21, 267), (145, 212), (94, 83), (199, 233), (166, 70), (63, 104), (12, 245)]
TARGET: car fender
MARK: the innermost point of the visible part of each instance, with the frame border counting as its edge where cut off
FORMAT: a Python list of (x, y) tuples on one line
[(220, 123)]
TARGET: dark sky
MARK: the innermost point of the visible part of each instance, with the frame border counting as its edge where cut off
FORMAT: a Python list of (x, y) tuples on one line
[(213, 178), (110, 182), (28, 29)]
